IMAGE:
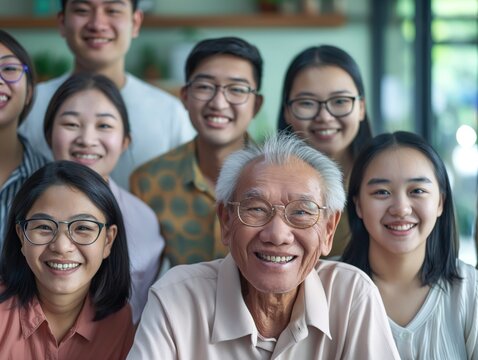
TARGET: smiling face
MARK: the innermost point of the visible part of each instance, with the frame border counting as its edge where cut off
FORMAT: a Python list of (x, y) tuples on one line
[(275, 257), (88, 129), (218, 122), (13, 96), (99, 32), (399, 202), (79, 263), (331, 135)]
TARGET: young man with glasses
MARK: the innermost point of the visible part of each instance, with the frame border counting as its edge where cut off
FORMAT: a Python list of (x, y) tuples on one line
[(99, 34), (222, 97)]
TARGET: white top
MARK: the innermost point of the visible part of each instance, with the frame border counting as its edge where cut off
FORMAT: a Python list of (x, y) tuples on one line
[(157, 119), (145, 245), (198, 312), (446, 326)]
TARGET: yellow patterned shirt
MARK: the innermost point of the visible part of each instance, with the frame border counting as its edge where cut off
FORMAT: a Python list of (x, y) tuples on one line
[(184, 203)]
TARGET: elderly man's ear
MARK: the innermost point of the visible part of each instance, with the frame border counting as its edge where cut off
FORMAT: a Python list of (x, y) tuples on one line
[(224, 214), (330, 226)]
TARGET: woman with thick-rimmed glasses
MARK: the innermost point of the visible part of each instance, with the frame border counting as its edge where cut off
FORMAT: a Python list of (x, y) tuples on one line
[(64, 274), (18, 158), (323, 101)]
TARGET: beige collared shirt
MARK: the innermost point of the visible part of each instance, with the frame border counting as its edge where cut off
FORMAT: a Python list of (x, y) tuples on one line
[(197, 312)]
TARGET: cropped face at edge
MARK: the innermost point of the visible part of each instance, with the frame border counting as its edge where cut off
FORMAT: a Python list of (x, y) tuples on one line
[(276, 257)]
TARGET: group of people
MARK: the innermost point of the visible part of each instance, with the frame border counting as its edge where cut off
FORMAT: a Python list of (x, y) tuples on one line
[(135, 226)]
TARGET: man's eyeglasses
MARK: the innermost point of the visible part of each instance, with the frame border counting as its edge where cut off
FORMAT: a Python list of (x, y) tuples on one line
[(308, 109), (257, 212), (43, 231), (12, 73), (235, 94)]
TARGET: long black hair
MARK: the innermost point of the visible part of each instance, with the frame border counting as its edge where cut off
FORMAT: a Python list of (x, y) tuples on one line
[(442, 244), (110, 286), (325, 55)]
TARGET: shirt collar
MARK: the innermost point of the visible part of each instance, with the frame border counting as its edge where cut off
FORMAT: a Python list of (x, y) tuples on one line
[(233, 320), (32, 316)]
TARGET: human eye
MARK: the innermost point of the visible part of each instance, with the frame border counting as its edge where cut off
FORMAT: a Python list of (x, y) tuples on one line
[(418, 191), (306, 103), (40, 227), (340, 101), (380, 193), (69, 124), (10, 68), (114, 10), (238, 89), (80, 9), (203, 86), (84, 228)]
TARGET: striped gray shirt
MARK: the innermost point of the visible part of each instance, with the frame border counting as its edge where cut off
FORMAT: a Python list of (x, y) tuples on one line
[(31, 162)]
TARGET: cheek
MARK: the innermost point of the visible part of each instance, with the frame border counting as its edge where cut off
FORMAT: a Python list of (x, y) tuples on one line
[(60, 143)]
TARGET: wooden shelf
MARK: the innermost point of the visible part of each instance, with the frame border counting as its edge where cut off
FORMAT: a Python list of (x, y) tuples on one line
[(161, 21)]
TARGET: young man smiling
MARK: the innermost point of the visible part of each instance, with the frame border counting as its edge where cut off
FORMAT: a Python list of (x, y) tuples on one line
[(221, 95), (99, 34)]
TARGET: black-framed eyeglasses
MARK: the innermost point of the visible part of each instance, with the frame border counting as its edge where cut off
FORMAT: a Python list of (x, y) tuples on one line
[(235, 94), (257, 212), (12, 73), (308, 109), (43, 231)]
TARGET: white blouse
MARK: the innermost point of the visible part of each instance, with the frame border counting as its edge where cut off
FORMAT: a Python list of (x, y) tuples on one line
[(446, 326)]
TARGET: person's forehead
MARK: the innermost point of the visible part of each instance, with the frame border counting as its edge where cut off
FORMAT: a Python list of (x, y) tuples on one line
[(99, 2), (295, 178), (224, 66)]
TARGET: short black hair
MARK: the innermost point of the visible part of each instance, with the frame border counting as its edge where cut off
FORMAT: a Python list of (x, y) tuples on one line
[(134, 4), (110, 286), (19, 51), (325, 55), (442, 244), (225, 46), (81, 82)]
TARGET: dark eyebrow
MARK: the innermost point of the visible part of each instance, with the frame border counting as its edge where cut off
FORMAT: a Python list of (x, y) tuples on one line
[(9, 56), (87, 2), (212, 78), (70, 113), (332, 94), (74, 217), (109, 115), (421, 179)]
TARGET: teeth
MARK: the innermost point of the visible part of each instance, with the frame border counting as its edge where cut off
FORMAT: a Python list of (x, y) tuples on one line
[(87, 156), (3, 98), (401, 227), (218, 120), (327, 132), (275, 259), (58, 266), (99, 40)]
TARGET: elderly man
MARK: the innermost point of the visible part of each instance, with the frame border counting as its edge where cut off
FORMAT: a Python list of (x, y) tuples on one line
[(270, 298)]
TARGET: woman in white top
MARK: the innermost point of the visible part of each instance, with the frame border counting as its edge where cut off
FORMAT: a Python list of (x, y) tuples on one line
[(404, 236), (87, 122)]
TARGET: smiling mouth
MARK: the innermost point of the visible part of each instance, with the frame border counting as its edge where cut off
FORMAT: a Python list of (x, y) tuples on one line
[(326, 132), (62, 266), (275, 259), (86, 156), (404, 227)]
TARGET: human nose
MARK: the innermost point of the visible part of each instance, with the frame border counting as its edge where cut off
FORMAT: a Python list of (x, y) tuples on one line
[(277, 231), (400, 206), (323, 113), (86, 136), (61, 242), (97, 20), (219, 100)]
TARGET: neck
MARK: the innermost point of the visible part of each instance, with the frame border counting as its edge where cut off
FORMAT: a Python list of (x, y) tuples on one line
[(12, 152), (271, 312), (211, 157), (395, 268), (114, 72), (61, 311)]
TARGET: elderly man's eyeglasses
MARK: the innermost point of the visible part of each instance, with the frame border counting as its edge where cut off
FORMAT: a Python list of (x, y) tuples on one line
[(235, 94), (12, 73), (257, 212), (308, 109), (43, 231)]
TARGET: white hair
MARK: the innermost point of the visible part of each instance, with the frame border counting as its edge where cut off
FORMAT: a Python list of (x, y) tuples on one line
[(280, 149)]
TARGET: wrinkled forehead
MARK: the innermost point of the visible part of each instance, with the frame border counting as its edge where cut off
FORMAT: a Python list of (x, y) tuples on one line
[(289, 179)]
